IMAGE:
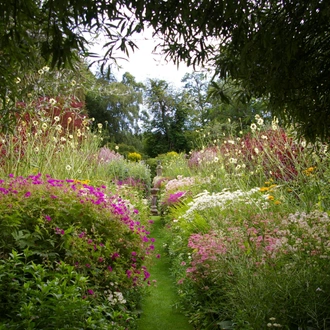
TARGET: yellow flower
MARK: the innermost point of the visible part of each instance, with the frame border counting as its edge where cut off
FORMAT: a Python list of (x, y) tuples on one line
[(309, 170), (277, 202), (82, 181), (263, 189), (270, 197)]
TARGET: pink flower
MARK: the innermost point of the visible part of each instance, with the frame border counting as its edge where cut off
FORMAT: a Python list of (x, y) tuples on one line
[(48, 218)]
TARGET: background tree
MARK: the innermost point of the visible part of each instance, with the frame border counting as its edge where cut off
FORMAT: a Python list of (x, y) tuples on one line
[(196, 86), (116, 106), (272, 48), (231, 103), (164, 119)]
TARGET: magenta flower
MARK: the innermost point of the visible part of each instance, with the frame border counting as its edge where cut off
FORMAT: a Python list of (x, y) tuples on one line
[(59, 231), (115, 256), (146, 275), (27, 194), (48, 218)]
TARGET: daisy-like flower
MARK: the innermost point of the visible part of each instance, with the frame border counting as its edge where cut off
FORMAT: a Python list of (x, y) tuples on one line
[(253, 127), (63, 139), (18, 80), (52, 101), (260, 121), (73, 83), (36, 149), (35, 123), (117, 147), (44, 126), (45, 68), (41, 71), (57, 118), (68, 167)]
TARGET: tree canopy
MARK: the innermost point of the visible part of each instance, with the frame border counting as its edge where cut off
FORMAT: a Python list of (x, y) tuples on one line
[(279, 49)]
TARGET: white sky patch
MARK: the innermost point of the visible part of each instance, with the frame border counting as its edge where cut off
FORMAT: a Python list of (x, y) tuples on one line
[(144, 63)]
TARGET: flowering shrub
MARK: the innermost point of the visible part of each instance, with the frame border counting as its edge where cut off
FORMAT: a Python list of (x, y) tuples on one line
[(243, 267), (134, 157), (106, 155), (179, 183), (203, 157), (271, 151), (97, 233), (224, 200)]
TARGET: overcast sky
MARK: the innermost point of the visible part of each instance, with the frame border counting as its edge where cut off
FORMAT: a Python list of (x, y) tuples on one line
[(144, 64)]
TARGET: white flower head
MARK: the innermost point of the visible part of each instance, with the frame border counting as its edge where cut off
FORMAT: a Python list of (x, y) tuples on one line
[(253, 127), (52, 101), (260, 121), (57, 118), (68, 167)]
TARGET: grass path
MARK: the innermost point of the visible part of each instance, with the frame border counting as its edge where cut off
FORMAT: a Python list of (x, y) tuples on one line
[(158, 311)]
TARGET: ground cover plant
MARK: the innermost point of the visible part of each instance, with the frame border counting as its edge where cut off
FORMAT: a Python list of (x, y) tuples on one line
[(248, 232)]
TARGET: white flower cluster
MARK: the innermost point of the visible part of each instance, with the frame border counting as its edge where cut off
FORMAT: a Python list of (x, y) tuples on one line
[(223, 199), (115, 297)]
